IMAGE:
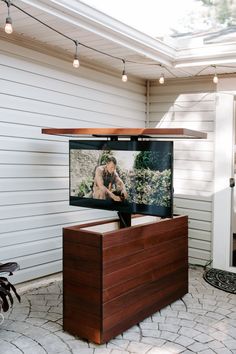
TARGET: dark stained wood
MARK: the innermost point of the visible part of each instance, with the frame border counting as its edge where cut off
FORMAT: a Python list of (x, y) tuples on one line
[(115, 281), (127, 132)]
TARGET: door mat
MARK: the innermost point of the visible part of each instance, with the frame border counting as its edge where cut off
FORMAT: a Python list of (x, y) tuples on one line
[(221, 279)]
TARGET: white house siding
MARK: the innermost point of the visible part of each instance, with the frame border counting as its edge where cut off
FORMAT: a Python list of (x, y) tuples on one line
[(190, 104), (40, 91)]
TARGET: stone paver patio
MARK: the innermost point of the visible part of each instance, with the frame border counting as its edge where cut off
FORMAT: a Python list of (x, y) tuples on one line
[(203, 321)]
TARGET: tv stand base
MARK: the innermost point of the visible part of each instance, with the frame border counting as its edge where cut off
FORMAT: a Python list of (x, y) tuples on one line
[(114, 278)]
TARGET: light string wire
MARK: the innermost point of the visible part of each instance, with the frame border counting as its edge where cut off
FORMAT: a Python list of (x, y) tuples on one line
[(78, 43), (123, 60)]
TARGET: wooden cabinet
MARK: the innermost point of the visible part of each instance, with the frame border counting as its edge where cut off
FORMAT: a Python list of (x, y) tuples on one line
[(114, 278)]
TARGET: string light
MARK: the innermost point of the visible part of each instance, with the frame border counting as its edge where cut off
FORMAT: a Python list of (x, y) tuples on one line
[(8, 25), (76, 59), (76, 63), (162, 79), (215, 78), (124, 75)]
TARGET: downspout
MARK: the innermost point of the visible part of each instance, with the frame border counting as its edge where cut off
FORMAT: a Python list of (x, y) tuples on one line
[(147, 123)]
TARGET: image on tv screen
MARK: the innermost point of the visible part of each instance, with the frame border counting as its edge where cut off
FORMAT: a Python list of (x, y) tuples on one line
[(134, 177)]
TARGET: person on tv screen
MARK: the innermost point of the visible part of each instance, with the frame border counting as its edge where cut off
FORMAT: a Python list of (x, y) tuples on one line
[(107, 183)]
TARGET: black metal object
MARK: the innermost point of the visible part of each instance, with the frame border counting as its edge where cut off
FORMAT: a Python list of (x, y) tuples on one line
[(125, 219)]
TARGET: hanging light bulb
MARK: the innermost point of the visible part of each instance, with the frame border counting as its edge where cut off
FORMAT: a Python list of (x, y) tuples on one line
[(124, 75), (215, 79), (8, 25), (76, 58), (162, 79)]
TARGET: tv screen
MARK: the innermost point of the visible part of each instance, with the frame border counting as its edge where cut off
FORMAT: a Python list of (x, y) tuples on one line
[(133, 177)]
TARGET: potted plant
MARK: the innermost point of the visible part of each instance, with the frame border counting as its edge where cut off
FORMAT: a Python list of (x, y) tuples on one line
[(6, 287)]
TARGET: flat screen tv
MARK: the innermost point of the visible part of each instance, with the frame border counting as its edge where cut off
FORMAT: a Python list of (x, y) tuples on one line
[(133, 177)]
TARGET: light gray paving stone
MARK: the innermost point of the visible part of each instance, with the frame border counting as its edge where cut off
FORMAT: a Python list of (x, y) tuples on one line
[(157, 342), (169, 336), (24, 342), (134, 336), (172, 320), (205, 320), (102, 351), (53, 344), (116, 351), (149, 325), (8, 348), (187, 323), (156, 351), (17, 326), (36, 332), (224, 305), (158, 318), (36, 321), (232, 315), (52, 303), (222, 311), (60, 321), (52, 326), (220, 336), (8, 335), (215, 344), (36, 349), (134, 329), (169, 327), (147, 320), (151, 333), (120, 342), (223, 351), (95, 345), (189, 332), (137, 347), (77, 344), (82, 351), (184, 341), (187, 316), (17, 316), (64, 335), (203, 338), (230, 344), (168, 312), (215, 315), (207, 351), (173, 348), (197, 311), (198, 347)]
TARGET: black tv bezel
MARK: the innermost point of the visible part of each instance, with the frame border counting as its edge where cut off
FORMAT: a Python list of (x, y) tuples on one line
[(123, 145)]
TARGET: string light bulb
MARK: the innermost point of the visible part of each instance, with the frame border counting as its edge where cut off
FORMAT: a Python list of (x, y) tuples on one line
[(8, 25), (162, 79), (124, 75), (215, 78), (76, 63)]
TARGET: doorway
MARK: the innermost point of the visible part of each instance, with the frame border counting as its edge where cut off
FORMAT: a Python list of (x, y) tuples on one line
[(223, 195), (233, 212)]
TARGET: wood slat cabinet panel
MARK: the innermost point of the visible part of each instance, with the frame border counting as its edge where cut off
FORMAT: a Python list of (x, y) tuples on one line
[(115, 279)]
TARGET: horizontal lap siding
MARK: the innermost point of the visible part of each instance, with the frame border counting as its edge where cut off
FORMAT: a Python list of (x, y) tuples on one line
[(190, 105), (38, 91)]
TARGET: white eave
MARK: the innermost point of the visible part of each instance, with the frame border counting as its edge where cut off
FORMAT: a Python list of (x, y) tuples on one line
[(104, 33)]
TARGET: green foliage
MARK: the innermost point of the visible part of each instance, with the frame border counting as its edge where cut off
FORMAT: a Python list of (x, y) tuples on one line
[(152, 160), (223, 11), (148, 187), (85, 187)]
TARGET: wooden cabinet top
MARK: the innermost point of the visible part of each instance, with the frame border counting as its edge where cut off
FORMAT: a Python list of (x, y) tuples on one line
[(171, 133)]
